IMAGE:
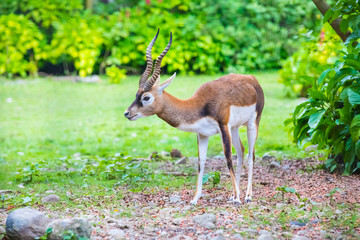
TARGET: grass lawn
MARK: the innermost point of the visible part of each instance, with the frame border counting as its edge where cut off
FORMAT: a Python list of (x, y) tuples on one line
[(72, 139), (46, 119)]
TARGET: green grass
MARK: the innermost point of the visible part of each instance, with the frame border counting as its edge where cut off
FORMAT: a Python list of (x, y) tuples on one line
[(50, 119)]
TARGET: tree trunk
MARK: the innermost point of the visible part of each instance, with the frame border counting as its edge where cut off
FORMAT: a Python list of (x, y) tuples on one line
[(89, 4), (323, 6)]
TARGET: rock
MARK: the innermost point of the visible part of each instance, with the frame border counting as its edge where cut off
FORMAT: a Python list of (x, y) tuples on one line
[(79, 226), (175, 198), (238, 237), (181, 161), (2, 230), (268, 158), (297, 223), (26, 223), (285, 167), (266, 236), (175, 153), (296, 237), (164, 154), (337, 211), (21, 185), (274, 164), (116, 234), (88, 79), (218, 237), (206, 220), (50, 198), (50, 191), (3, 192), (311, 148), (220, 231)]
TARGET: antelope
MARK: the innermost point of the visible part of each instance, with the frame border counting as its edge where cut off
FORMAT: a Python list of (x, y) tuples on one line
[(219, 106)]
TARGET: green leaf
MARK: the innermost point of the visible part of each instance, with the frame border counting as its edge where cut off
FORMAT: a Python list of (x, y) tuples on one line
[(323, 75), (315, 118), (357, 149), (340, 74), (355, 128), (354, 94), (353, 63), (329, 13)]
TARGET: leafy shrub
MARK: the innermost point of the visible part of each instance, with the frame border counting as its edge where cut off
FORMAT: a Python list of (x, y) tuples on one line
[(78, 40), (240, 41), (115, 74), (316, 53), (330, 117), (21, 46)]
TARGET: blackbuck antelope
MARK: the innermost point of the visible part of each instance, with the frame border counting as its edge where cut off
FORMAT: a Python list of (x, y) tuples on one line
[(220, 106)]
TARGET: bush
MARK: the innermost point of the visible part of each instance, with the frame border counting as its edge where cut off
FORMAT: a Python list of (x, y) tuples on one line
[(249, 35), (21, 46), (317, 52), (330, 117)]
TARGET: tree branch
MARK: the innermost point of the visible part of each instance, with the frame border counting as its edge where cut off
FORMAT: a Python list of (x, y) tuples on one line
[(323, 6)]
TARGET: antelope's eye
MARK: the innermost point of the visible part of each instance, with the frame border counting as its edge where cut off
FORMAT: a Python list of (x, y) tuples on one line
[(147, 98)]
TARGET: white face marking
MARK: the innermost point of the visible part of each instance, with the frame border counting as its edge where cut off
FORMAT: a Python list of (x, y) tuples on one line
[(147, 99)]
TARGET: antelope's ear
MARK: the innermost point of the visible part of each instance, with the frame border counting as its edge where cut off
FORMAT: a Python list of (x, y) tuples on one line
[(166, 83)]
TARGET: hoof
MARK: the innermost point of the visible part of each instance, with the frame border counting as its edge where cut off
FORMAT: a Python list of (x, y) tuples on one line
[(237, 202), (248, 199), (193, 202)]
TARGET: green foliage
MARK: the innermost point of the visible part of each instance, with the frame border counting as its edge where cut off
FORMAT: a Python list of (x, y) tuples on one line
[(115, 74), (79, 39), (27, 174), (250, 35), (330, 117), (317, 52), (46, 235), (21, 46), (214, 177)]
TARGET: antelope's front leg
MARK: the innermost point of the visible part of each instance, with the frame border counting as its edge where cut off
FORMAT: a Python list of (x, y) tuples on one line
[(226, 140), (202, 149)]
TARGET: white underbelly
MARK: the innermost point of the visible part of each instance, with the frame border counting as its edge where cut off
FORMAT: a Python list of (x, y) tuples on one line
[(207, 126)]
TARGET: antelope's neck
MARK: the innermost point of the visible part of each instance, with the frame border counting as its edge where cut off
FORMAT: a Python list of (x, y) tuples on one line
[(177, 111)]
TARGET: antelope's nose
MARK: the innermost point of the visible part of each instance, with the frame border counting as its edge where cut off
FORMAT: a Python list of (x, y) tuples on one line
[(126, 114)]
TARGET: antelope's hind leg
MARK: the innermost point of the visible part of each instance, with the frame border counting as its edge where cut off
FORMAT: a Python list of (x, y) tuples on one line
[(251, 135), (240, 150), (202, 149), (226, 141)]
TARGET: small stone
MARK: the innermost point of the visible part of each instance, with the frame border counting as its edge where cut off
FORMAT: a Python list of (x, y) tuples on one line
[(26, 224), (175, 198), (297, 223), (68, 194), (50, 198), (21, 185), (3, 192), (337, 211), (274, 164), (79, 226), (238, 237), (220, 231), (116, 233), (218, 237), (268, 158), (176, 221), (286, 234), (175, 153), (296, 237), (50, 191), (266, 236), (182, 160), (285, 167), (164, 154), (206, 220), (295, 227), (2, 230)]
